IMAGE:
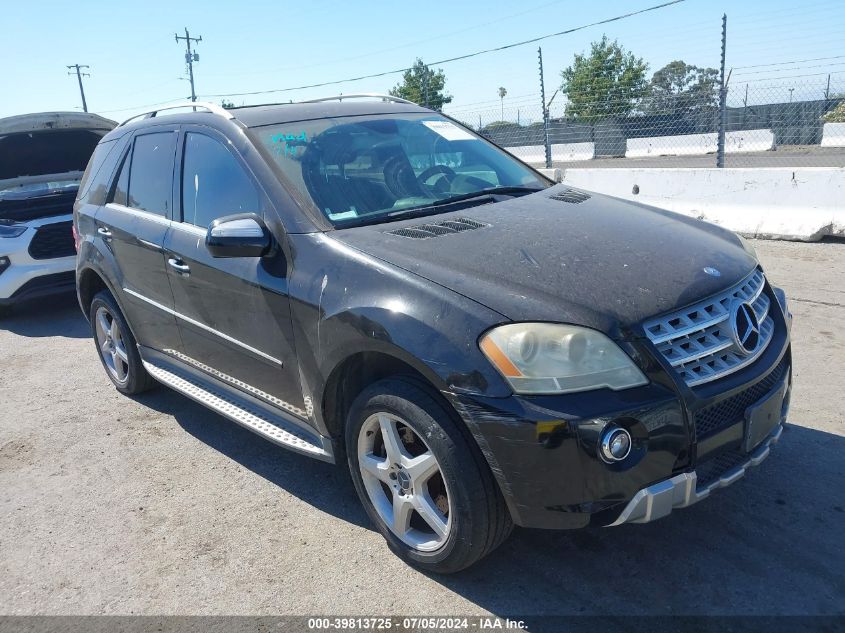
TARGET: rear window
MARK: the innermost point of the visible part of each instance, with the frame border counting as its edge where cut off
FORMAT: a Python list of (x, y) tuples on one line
[(151, 172), (101, 153)]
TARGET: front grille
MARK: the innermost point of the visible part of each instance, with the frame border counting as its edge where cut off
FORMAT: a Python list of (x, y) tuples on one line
[(52, 241), (732, 410), (699, 342), (436, 229), (710, 470)]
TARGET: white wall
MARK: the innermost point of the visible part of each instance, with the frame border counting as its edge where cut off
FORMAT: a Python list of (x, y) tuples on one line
[(792, 203), (536, 154), (696, 144), (833, 135)]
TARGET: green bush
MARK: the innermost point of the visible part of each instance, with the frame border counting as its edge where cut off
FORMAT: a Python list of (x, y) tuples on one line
[(837, 115)]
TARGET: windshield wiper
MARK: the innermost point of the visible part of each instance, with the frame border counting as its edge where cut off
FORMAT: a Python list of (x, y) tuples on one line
[(480, 194)]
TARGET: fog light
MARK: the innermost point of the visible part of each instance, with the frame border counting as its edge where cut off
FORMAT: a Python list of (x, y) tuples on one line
[(615, 444)]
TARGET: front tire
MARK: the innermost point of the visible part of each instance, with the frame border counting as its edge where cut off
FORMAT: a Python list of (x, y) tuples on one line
[(116, 346), (427, 489)]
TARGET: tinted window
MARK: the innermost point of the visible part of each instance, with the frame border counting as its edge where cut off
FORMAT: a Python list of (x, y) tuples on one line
[(214, 184), (119, 196), (151, 172), (92, 172)]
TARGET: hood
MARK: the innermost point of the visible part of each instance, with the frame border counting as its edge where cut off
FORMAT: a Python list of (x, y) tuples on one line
[(48, 145), (601, 262)]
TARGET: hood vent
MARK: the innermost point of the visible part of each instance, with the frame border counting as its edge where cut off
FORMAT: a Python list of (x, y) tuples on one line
[(571, 196), (436, 229)]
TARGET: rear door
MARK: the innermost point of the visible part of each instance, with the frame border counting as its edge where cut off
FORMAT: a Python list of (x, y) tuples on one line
[(133, 224), (233, 313)]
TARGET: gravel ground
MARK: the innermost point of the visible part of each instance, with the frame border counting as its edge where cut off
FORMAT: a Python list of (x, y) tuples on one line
[(153, 505)]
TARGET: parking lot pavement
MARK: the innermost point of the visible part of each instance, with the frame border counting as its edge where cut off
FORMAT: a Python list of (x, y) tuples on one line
[(154, 505)]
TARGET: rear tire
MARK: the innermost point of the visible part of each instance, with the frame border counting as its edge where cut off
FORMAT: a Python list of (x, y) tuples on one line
[(116, 346), (427, 488)]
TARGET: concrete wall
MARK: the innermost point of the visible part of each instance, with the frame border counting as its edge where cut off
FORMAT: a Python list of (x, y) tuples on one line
[(697, 144), (833, 135), (794, 203), (536, 154)]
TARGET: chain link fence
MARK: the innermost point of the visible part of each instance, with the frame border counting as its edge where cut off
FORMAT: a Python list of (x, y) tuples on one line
[(801, 124)]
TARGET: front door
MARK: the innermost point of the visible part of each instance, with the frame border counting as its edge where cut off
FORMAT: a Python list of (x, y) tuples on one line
[(233, 313)]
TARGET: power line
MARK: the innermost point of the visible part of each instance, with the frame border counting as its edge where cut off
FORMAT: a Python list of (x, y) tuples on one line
[(453, 59), (748, 81), (798, 61), (79, 75), (394, 48), (786, 70), (141, 107)]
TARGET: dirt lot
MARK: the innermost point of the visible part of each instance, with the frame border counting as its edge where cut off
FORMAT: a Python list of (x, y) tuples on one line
[(156, 506)]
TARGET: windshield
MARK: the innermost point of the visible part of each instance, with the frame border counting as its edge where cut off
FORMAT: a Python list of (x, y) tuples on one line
[(368, 169)]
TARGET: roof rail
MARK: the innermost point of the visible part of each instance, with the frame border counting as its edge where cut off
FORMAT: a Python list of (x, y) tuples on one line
[(213, 108), (361, 95)]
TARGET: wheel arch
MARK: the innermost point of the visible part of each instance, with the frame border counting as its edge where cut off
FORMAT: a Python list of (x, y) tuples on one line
[(88, 283), (354, 373)]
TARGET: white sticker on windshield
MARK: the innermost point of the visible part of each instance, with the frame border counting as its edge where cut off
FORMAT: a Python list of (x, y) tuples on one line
[(448, 130)]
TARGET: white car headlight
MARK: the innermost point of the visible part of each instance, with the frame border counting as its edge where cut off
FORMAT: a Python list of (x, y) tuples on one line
[(10, 229), (551, 358)]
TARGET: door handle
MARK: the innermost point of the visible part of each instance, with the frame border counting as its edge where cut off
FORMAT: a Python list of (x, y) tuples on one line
[(104, 232), (179, 266)]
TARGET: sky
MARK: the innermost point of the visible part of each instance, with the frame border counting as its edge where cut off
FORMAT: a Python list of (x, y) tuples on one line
[(252, 45)]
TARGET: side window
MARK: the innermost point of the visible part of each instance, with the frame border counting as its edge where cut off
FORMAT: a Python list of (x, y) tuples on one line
[(101, 152), (121, 187), (151, 172), (214, 184)]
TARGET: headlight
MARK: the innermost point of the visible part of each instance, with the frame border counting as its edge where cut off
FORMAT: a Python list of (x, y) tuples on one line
[(9, 229), (551, 358)]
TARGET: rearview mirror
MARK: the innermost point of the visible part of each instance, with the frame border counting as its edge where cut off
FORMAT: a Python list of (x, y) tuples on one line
[(240, 235)]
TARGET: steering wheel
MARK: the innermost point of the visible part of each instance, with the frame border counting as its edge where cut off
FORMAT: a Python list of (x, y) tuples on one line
[(448, 174)]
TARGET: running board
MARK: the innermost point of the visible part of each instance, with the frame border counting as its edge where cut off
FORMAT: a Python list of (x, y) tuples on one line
[(269, 425)]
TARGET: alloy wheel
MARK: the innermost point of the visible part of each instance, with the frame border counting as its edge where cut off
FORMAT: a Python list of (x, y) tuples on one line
[(404, 482), (111, 345)]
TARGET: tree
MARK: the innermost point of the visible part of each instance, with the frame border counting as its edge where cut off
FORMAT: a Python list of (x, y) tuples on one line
[(227, 104), (837, 114), (503, 92), (422, 85), (609, 81), (680, 89)]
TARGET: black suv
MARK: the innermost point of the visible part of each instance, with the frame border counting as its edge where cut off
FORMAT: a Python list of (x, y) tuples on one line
[(370, 281)]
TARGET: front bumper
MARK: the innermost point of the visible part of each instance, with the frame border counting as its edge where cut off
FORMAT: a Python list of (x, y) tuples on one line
[(658, 500), (687, 442), (27, 277)]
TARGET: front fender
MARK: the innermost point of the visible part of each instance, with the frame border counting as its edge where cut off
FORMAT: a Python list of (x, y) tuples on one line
[(344, 302)]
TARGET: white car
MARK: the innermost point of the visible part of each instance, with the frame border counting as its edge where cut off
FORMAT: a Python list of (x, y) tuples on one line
[(42, 159)]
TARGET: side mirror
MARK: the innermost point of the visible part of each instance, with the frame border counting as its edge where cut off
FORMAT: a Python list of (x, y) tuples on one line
[(240, 235)]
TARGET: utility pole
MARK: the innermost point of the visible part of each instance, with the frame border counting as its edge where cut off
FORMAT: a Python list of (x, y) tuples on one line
[(545, 112), (79, 75), (827, 90), (723, 97), (190, 57), (790, 94)]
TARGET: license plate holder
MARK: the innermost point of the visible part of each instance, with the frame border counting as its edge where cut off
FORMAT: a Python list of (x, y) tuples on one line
[(763, 416)]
